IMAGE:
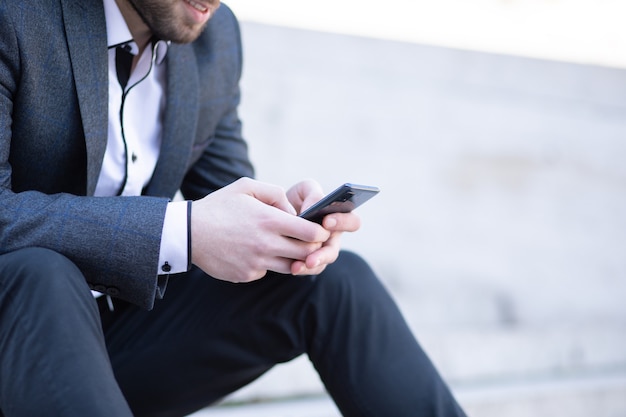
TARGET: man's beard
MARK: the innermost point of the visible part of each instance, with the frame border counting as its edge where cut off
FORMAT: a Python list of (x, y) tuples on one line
[(158, 18)]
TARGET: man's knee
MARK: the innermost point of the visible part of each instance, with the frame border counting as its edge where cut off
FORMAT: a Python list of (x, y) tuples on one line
[(350, 278), (40, 270)]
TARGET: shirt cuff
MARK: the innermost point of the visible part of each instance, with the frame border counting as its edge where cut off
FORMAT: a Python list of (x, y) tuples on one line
[(174, 253)]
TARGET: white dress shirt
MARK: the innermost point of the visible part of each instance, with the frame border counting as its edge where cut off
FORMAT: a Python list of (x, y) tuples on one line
[(134, 135)]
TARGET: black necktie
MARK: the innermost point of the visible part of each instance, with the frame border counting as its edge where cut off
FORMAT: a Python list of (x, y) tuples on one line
[(123, 64)]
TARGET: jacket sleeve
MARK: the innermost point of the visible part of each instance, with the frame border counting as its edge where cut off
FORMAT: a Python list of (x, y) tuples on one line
[(114, 241)]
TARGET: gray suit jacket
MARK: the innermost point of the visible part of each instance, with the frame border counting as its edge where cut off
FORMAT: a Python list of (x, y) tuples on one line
[(53, 132)]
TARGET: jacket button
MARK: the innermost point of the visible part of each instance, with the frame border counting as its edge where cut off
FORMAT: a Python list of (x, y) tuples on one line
[(113, 291), (100, 288), (166, 267)]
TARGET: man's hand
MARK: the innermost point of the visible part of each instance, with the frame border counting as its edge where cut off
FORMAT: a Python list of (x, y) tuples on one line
[(302, 196), (247, 228)]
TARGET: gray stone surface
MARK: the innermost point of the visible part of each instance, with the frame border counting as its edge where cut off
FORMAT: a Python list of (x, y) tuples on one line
[(501, 226), (573, 397)]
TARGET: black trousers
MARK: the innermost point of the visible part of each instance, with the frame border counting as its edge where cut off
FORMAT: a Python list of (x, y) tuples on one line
[(62, 353)]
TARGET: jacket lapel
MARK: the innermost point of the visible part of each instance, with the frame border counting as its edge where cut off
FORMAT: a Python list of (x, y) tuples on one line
[(180, 121), (85, 28)]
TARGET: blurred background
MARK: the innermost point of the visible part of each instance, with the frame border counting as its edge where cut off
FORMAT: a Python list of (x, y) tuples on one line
[(496, 130)]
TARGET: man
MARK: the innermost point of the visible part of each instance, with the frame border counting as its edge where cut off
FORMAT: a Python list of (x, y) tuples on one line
[(107, 108)]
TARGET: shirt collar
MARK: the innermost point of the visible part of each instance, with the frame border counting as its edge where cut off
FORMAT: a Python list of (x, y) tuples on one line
[(117, 29), (119, 34)]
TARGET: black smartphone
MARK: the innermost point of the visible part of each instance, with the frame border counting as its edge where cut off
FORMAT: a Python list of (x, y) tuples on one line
[(342, 200)]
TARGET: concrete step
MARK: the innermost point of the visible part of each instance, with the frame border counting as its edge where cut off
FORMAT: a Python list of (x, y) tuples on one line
[(532, 372), (467, 357), (318, 406), (600, 395)]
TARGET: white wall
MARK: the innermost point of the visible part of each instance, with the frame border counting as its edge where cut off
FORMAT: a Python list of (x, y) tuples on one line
[(582, 31)]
